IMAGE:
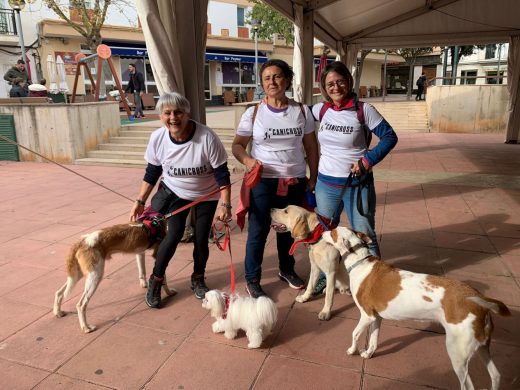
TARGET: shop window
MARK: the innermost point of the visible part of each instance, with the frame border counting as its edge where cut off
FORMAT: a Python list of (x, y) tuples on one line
[(230, 73), (466, 77), (248, 73)]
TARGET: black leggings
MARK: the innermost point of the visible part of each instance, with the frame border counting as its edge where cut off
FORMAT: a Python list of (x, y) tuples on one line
[(203, 217)]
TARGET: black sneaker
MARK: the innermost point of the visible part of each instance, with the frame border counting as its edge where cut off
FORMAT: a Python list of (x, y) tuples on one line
[(292, 279), (255, 290), (320, 286), (153, 294), (199, 286)]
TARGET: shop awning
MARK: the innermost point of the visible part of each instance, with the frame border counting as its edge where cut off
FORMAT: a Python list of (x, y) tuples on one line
[(234, 58), (128, 52)]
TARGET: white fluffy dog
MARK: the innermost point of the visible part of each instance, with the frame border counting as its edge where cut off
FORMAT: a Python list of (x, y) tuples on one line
[(256, 316)]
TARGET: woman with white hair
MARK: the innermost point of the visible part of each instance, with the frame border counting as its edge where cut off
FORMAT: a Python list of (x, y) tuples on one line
[(193, 162)]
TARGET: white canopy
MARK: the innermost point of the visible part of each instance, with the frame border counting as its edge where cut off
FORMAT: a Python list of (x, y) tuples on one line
[(176, 35), (409, 23)]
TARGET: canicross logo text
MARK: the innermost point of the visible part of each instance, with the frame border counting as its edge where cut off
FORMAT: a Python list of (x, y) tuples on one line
[(189, 171), (337, 128), (295, 131)]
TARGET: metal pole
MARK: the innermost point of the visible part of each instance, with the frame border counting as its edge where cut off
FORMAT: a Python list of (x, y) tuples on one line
[(384, 76), (19, 22), (257, 89), (145, 78), (445, 65), (498, 65), (455, 63)]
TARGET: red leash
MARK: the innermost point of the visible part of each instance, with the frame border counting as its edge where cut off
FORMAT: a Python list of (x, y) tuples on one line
[(227, 244)]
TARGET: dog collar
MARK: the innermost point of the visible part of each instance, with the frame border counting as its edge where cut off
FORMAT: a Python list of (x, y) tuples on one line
[(226, 306), (313, 238), (357, 263)]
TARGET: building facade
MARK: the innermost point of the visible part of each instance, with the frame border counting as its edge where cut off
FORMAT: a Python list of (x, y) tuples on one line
[(230, 49)]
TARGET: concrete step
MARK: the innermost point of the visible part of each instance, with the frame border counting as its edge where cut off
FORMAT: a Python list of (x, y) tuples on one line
[(111, 162), (115, 155), (123, 147), (129, 140)]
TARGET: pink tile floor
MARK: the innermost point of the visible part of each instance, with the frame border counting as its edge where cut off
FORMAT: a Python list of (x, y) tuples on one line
[(447, 204)]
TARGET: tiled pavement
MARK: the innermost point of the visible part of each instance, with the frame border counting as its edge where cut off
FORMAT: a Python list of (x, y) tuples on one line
[(447, 204)]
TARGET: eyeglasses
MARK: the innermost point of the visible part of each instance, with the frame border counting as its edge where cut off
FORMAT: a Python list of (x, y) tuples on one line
[(338, 83)]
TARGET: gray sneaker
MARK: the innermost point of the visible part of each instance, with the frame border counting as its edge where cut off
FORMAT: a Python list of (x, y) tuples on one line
[(320, 285), (199, 286)]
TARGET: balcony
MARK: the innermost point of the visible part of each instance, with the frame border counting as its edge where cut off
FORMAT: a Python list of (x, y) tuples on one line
[(8, 31)]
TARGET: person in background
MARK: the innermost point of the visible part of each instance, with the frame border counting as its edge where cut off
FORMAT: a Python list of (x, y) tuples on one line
[(137, 87), (18, 89), (16, 72), (193, 162), (38, 89), (421, 85), (344, 146), (279, 130)]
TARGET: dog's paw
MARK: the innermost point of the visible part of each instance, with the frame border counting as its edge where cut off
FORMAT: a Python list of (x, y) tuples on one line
[(230, 335), (366, 354), (169, 291), (216, 328), (89, 328), (59, 313), (351, 351), (324, 315), (301, 298), (345, 290), (253, 345), (143, 283)]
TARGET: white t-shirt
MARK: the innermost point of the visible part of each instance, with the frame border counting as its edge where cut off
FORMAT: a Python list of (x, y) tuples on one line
[(342, 139), (188, 166), (278, 138)]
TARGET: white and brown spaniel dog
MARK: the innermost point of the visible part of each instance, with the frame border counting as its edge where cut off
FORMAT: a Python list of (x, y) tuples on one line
[(383, 291), (87, 258)]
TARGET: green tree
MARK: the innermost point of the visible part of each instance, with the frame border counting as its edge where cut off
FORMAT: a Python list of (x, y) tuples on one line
[(92, 13), (410, 56), (463, 51), (271, 22)]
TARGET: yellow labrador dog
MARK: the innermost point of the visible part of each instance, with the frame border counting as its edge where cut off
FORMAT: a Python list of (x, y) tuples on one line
[(323, 256)]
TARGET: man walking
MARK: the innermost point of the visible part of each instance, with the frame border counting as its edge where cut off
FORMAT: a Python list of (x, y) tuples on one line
[(421, 83), (137, 87), (17, 72)]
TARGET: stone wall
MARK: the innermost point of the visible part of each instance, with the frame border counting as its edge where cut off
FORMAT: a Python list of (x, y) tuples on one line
[(63, 132), (467, 108)]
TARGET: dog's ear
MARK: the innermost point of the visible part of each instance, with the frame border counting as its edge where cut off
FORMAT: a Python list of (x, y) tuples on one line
[(300, 229), (216, 302), (364, 237)]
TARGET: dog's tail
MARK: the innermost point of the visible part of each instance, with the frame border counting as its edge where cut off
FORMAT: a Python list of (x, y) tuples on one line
[(494, 305), (266, 311), (73, 269)]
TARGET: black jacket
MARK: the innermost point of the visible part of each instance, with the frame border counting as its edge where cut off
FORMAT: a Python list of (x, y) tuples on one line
[(136, 83)]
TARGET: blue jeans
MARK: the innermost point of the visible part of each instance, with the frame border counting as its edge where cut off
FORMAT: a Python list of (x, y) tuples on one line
[(263, 199), (332, 197)]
